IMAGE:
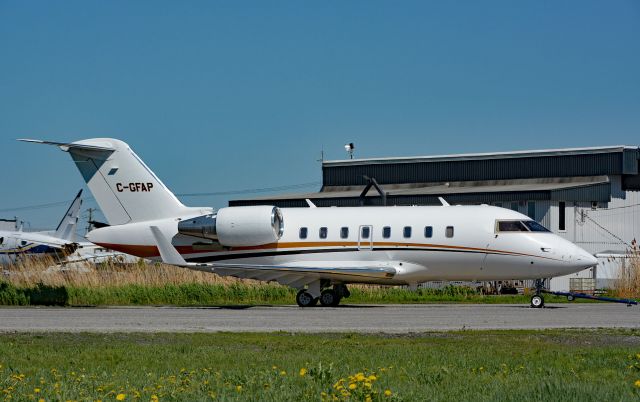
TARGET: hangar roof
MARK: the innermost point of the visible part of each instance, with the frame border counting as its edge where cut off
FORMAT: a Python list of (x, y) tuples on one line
[(488, 155), (571, 174), (571, 162)]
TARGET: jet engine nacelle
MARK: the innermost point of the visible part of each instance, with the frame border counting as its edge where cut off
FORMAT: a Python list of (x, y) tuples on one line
[(237, 226)]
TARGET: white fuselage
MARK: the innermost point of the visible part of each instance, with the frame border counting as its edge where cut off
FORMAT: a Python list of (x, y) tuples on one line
[(471, 249)]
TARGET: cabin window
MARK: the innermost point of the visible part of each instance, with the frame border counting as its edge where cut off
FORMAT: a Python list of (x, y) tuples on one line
[(449, 232), (303, 233), (344, 232), (23, 243), (386, 232), (1, 240), (323, 233), (406, 232), (428, 231), (366, 232), (562, 216)]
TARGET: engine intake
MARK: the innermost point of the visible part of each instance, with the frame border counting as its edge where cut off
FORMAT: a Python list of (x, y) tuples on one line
[(237, 226)]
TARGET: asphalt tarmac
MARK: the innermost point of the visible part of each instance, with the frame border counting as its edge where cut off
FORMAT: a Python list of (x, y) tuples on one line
[(347, 318)]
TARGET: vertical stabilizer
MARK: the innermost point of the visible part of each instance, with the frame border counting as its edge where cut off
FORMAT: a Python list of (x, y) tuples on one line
[(67, 228), (124, 187)]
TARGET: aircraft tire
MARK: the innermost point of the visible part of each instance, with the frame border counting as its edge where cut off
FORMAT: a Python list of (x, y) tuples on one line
[(537, 301), (329, 298), (304, 299)]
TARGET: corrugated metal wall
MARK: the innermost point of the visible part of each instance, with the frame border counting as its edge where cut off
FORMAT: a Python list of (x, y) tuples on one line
[(599, 192), (612, 163)]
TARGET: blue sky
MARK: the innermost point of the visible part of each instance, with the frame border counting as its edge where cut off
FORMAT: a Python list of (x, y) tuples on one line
[(220, 96)]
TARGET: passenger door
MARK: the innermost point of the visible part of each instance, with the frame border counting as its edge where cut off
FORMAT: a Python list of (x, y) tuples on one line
[(365, 237)]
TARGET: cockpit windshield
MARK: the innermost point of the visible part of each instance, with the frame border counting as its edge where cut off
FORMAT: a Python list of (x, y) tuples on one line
[(535, 226), (520, 226)]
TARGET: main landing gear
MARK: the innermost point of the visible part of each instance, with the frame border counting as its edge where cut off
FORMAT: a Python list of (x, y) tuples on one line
[(537, 300), (329, 297), (305, 299)]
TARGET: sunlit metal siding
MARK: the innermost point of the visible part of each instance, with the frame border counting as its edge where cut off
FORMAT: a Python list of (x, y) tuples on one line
[(389, 172)]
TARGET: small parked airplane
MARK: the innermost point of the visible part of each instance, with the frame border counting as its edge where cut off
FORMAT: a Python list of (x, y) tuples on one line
[(318, 251), (59, 243)]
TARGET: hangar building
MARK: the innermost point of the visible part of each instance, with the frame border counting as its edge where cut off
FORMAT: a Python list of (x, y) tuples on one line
[(590, 196)]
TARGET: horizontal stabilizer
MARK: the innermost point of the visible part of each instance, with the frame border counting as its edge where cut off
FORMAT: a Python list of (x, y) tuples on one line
[(65, 146)]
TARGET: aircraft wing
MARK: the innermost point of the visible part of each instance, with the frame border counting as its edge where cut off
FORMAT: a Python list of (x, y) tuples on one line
[(290, 274), (45, 240)]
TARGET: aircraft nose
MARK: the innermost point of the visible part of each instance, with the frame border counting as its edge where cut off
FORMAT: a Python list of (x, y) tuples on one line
[(583, 259)]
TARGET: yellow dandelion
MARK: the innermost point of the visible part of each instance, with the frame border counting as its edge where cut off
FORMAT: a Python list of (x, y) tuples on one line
[(387, 392), (36, 390), (283, 372), (121, 397), (368, 399), (303, 372), (372, 377), (239, 388), (637, 383), (154, 398), (353, 385), (360, 377), (41, 400)]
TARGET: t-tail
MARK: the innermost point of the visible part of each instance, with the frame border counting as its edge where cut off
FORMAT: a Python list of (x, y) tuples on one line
[(126, 190)]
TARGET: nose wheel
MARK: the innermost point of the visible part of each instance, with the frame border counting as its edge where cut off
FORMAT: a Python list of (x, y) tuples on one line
[(537, 301)]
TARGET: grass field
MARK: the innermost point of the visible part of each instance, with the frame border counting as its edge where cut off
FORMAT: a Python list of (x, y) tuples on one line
[(203, 294), (561, 365), (33, 282)]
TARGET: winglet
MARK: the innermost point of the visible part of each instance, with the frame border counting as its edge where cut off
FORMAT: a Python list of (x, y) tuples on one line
[(310, 203), (67, 227), (443, 202), (168, 253)]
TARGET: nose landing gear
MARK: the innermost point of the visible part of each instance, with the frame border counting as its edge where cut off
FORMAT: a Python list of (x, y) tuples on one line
[(537, 300)]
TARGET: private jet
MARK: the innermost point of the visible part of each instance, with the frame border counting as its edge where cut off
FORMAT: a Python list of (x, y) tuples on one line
[(15, 245), (318, 251)]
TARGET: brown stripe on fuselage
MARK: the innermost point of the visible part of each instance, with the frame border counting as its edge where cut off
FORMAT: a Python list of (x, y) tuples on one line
[(147, 251)]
